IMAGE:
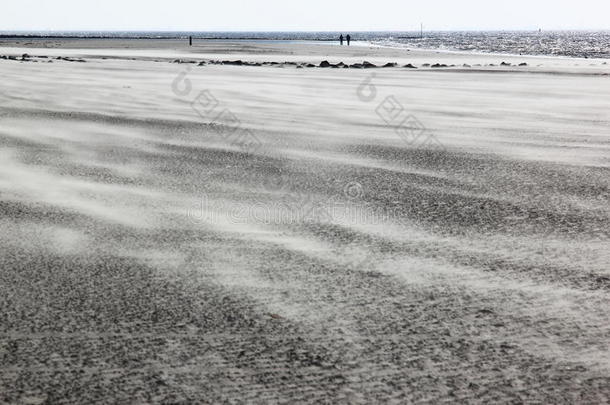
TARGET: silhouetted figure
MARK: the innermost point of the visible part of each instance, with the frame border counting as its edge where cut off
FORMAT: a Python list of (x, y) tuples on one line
[(348, 39), (190, 41), (341, 39)]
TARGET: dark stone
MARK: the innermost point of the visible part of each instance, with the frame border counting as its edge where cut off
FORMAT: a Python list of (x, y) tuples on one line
[(368, 65), (356, 66), (387, 65), (410, 66), (439, 65), (504, 64), (324, 64), (523, 64)]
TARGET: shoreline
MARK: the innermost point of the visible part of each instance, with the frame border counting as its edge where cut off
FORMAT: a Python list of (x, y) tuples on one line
[(321, 42), (324, 49), (305, 38)]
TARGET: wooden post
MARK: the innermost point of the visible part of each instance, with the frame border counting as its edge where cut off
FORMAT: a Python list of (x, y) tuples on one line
[(190, 41)]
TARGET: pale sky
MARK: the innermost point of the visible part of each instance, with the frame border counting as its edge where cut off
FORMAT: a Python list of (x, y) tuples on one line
[(304, 15)]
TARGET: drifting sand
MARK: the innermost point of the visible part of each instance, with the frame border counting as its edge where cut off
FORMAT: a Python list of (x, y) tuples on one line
[(147, 256)]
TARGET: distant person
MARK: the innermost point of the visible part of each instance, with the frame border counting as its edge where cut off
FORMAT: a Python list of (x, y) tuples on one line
[(341, 39), (190, 41), (348, 39)]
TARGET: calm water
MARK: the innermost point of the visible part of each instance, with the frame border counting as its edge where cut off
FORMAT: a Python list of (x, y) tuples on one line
[(591, 44)]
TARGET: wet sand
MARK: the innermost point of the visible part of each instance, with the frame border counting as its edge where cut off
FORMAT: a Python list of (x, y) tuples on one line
[(182, 232)]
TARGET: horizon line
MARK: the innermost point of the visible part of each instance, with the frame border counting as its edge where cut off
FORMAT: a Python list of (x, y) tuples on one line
[(307, 31)]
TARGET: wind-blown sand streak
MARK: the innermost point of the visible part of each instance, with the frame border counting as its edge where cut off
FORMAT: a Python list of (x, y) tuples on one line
[(147, 259)]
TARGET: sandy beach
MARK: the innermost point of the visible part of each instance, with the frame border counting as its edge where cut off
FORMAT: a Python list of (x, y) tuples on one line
[(232, 223)]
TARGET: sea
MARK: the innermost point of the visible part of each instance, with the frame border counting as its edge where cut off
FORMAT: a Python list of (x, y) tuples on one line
[(582, 44)]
